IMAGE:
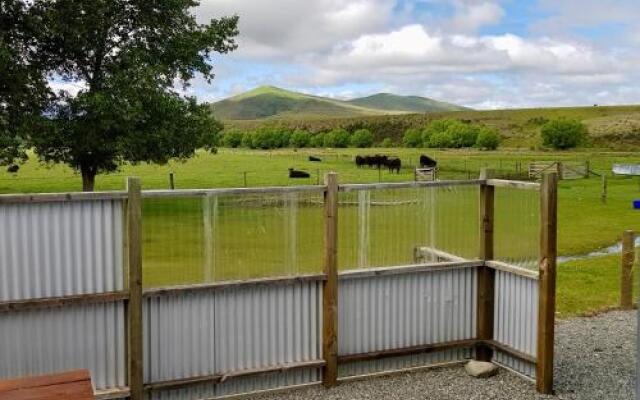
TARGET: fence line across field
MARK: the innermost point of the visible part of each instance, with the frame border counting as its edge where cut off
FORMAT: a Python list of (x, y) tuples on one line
[(71, 265)]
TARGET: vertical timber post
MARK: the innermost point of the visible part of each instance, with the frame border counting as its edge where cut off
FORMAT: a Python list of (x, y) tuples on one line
[(330, 290), (486, 275), (172, 185), (547, 282), (134, 306), (626, 270)]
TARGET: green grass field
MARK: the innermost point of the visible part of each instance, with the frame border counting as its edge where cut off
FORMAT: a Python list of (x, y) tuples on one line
[(252, 240)]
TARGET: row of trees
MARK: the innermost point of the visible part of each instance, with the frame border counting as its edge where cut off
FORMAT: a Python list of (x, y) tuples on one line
[(449, 133), (123, 59), (275, 137)]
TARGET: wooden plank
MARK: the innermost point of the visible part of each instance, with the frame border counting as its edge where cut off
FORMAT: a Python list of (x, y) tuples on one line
[(407, 269), (428, 348), (134, 306), (547, 282), (513, 184), (330, 289), (626, 270), (404, 185), (151, 194), (486, 275), (281, 280), (64, 301), (66, 385), (60, 197), (220, 378), (495, 345), (512, 269)]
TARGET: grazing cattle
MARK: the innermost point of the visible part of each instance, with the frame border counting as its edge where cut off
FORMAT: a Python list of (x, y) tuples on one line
[(394, 164), (312, 158), (298, 174), (13, 168), (360, 161), (426, 161)]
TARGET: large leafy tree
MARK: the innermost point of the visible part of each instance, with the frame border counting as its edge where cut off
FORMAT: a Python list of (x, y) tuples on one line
[(24, 92), (128, 57)]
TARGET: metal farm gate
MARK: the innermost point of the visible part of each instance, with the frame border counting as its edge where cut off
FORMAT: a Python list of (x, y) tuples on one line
[(267, 288)]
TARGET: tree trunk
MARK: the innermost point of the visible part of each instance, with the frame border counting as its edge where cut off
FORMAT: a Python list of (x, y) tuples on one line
[(88, 178)]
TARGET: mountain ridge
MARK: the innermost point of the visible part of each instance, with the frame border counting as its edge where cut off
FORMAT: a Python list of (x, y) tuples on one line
[(270, 102)]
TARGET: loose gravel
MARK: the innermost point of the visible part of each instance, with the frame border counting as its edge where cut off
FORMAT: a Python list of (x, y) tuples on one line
[(595, 359)]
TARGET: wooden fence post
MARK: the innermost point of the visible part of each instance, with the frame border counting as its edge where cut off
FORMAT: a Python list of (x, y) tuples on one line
[(603, 195), (486, 275), (172, 185), (330, 290), (547, 282), (626, 270), (560, 170), (134, 305)]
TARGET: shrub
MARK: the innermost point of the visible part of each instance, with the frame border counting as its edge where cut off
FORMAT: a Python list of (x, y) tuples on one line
[(462, 135), (338, 138), (412, 137), (442, 139), (247, 140), (232, 138), (488, 139), (386, 142), (317, 140), (300, 138), (563, 133), (362, 138)]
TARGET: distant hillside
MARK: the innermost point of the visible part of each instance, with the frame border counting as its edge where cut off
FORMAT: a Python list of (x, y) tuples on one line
[(275, 103), (413, 104)]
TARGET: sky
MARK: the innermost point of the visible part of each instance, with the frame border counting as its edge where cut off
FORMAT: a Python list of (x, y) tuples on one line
[(484, 54)]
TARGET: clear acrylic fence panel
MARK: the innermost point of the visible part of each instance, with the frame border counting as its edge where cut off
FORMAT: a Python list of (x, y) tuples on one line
[(231, 237), (384, 227), (517, 227)]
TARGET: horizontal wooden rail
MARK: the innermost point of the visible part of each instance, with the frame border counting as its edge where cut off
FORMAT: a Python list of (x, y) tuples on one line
[(405, 351), (407, 185), (63, 301), (511, 351), (513, 184), (407, 269), (502, 266), (280, 280), (220, 378), (432, 251), (110, 394), (152, 194), (60, 197)]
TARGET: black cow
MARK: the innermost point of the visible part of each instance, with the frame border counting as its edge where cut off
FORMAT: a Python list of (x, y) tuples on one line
[(13, 168), (312, 158), (394, 164), (360, 161), (298, 174), (426, 161)]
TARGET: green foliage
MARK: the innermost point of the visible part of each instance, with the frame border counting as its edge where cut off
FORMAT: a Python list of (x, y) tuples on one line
[(232, 138), (128, 55), (442, 139), (269, 137), (317, 140), (563, 134), (300, 138), (488, 139), (338, 138), (386, 142), (463, 135), (412, 137), (362, 138)]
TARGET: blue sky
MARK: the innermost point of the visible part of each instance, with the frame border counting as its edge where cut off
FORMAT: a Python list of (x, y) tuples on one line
[(478, 53)]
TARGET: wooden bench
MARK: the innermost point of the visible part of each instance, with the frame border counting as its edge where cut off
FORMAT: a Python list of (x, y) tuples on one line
[(67, 385)]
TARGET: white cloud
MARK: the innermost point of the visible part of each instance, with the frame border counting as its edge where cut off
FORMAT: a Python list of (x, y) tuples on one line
[(291, 27), (471, 15)]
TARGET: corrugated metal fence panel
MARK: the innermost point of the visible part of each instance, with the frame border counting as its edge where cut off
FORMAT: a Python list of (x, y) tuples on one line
[(516, 321), (179, 336), (52, 340), (232, 330), (397, 311), (60, 249)]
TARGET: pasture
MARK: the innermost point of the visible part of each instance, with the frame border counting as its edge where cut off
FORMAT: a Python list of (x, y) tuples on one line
[(175, 230)]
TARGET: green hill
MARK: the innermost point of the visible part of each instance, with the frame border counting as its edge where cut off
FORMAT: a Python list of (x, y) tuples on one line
[(413, 104), (268, 102)]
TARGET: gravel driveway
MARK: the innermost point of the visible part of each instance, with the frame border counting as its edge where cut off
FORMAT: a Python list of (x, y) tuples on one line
[(595, 359)]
